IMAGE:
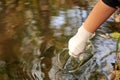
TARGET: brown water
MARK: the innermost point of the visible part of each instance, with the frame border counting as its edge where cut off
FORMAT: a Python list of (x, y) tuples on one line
[(32, 33)]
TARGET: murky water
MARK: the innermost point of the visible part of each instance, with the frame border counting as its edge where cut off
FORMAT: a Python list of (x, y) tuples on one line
[(33, 37)]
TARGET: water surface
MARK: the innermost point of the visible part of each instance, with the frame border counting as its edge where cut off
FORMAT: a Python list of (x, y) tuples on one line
[(33, 33)]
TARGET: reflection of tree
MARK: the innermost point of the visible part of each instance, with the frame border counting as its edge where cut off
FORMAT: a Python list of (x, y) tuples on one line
[(45, 19), (47, 33), (23, 22), (11, 23)]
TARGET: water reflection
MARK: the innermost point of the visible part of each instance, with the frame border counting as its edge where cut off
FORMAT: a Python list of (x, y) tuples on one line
[(32, 36), (68, 20)]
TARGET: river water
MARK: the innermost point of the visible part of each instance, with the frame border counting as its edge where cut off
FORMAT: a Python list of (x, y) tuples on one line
[(37, 49)]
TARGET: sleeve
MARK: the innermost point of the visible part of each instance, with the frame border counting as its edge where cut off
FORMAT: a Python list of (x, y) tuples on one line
[(112, 3)]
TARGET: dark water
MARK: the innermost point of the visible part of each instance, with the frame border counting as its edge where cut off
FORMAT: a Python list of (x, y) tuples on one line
[(32, 37)]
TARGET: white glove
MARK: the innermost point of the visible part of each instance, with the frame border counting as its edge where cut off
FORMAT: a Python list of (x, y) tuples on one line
[(77, 43)]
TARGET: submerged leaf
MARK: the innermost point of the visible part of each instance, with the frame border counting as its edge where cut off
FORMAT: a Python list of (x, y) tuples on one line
[(115, 35), (49, 52)]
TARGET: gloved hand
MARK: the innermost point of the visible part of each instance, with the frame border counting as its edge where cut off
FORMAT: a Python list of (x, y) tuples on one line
[(77, 43)]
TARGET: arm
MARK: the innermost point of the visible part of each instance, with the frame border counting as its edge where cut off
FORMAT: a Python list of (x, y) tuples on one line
[(98, 15)]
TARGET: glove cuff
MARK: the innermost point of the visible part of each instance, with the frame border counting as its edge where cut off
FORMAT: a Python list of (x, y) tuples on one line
[(84, 34)]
